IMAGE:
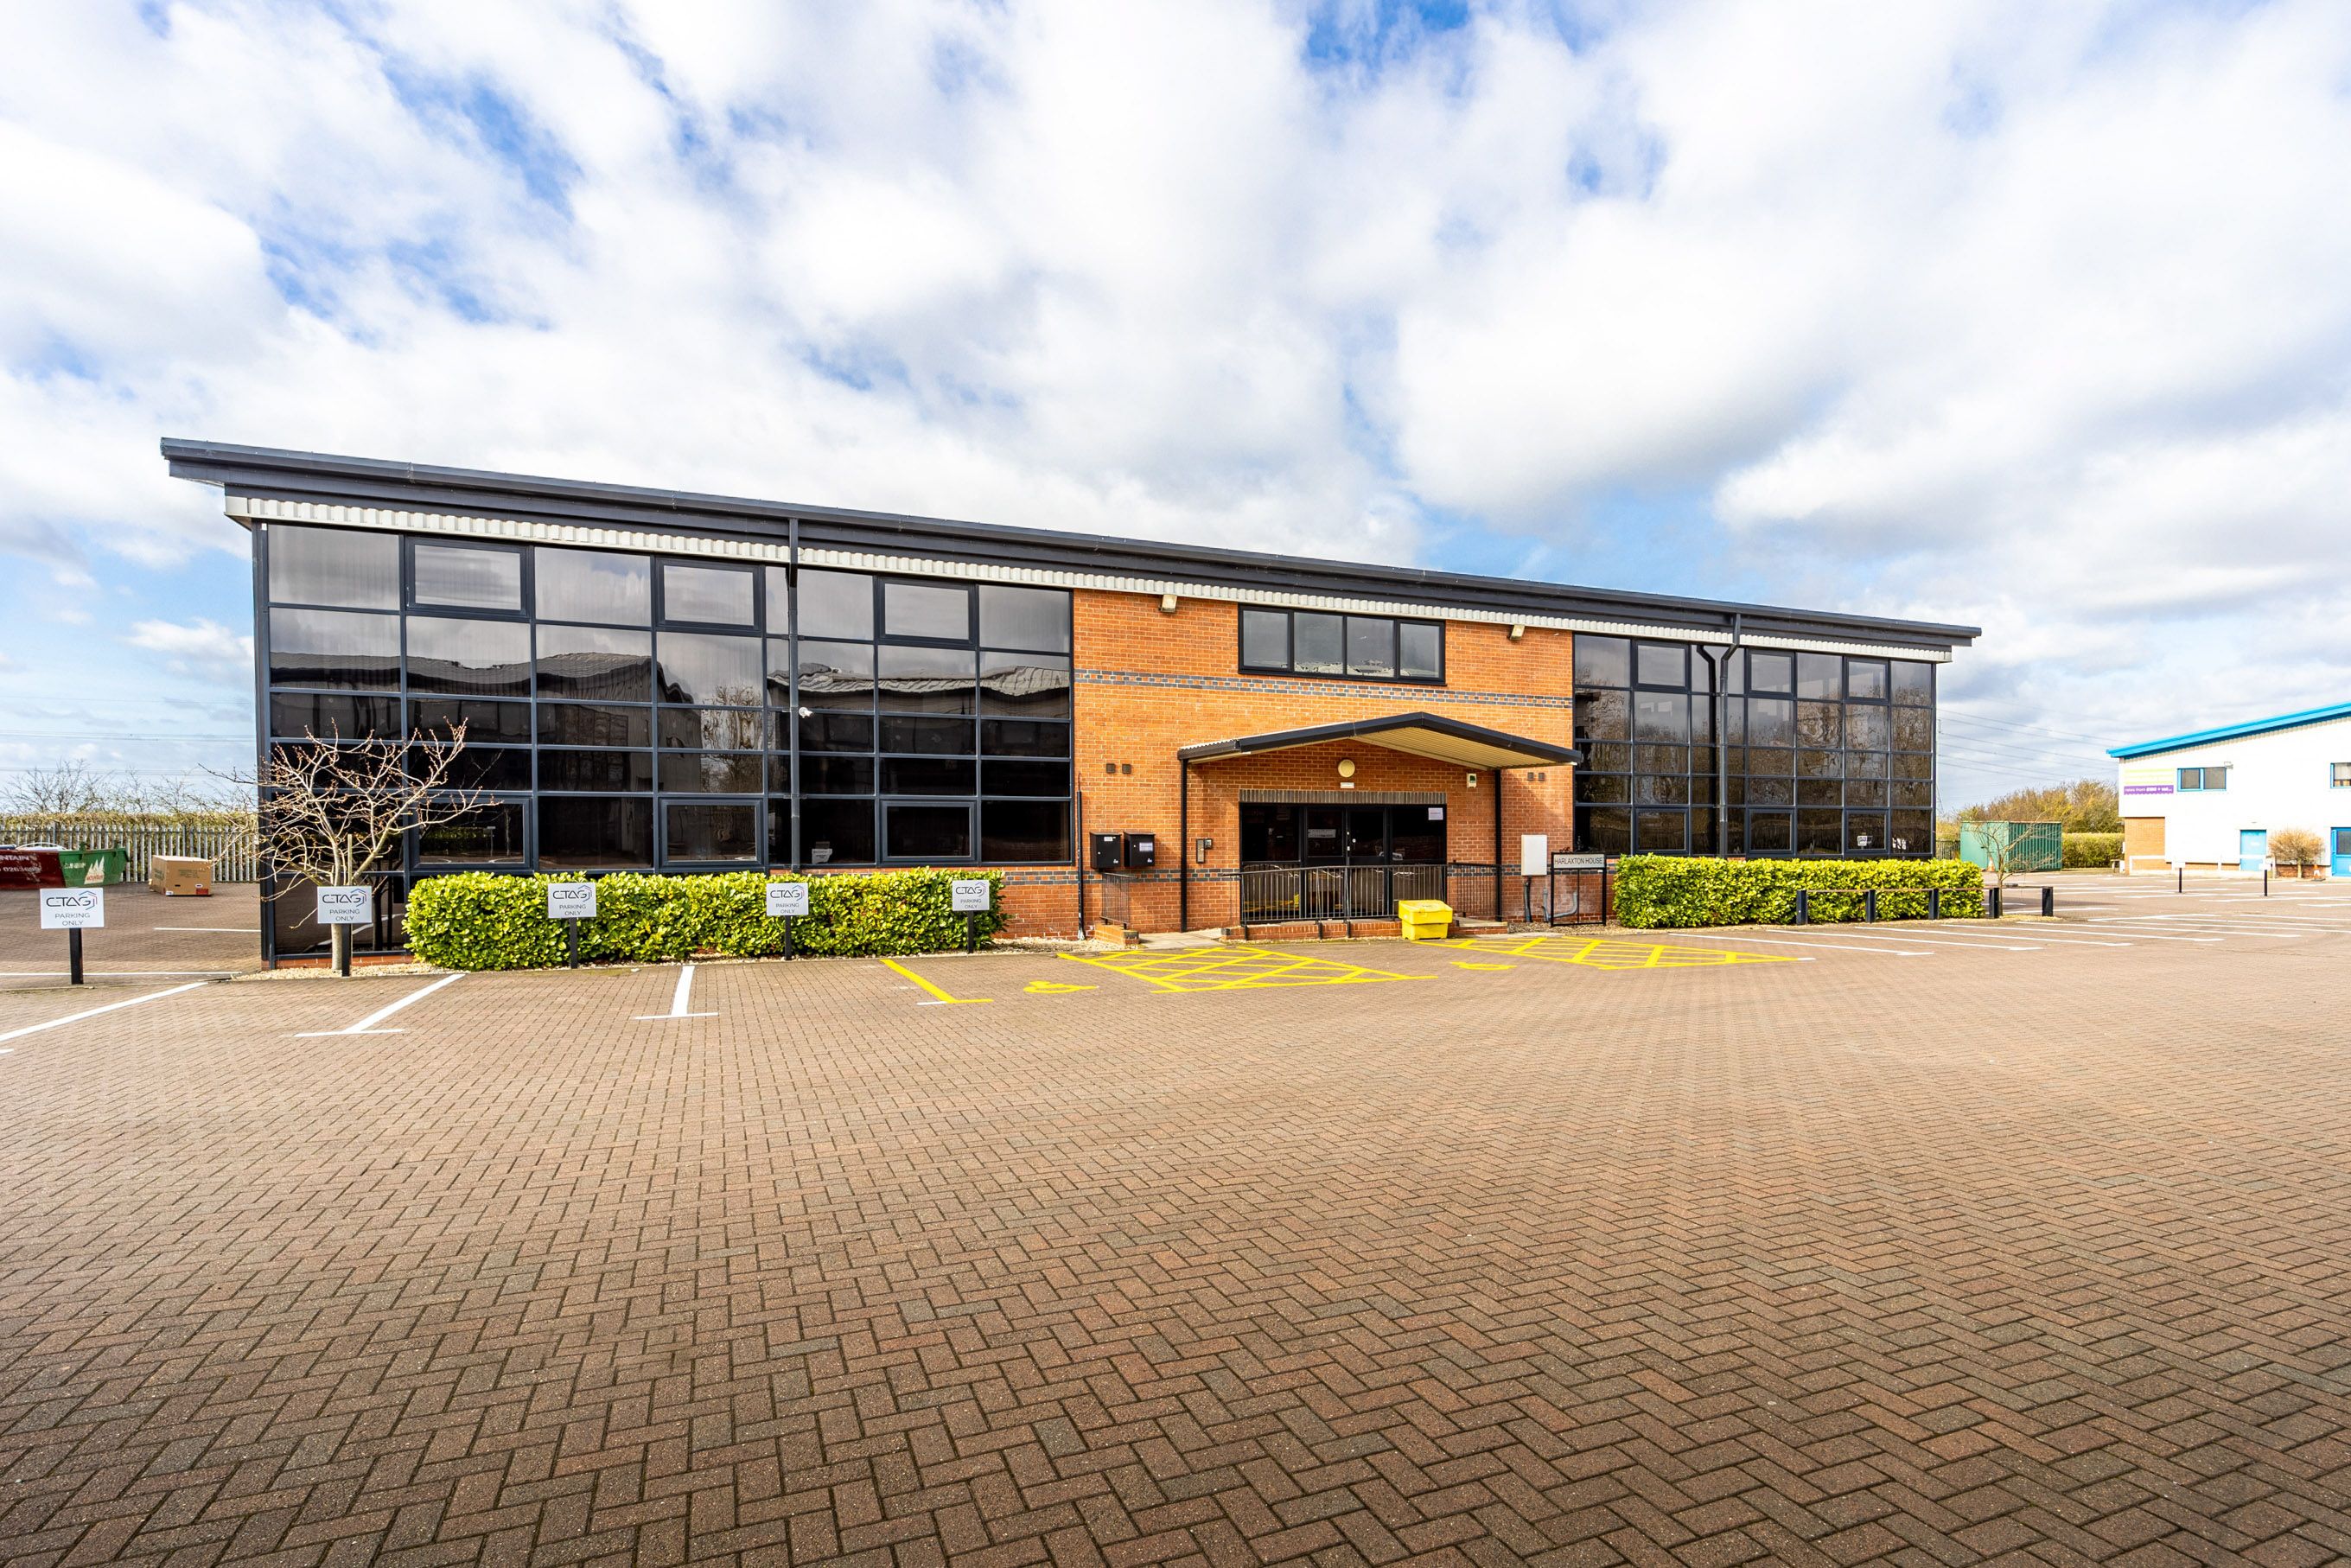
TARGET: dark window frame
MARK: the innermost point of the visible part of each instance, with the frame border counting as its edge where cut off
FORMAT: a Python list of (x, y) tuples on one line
[(664, 621), (526, 587), (1397, 677)]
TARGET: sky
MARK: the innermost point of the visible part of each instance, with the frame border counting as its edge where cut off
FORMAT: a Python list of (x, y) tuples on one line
[(2032, 316)]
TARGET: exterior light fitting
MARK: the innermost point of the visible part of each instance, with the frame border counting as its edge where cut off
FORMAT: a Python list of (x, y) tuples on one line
[(1166, 604)]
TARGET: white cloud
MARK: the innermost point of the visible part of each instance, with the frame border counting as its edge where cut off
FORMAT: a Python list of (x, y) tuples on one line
[(202, 647), (1897, 286)]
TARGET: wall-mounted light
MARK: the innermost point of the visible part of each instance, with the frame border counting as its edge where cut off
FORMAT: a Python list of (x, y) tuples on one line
[(1517, 629), (1347, 767), (1200, 850), (1472, 780), (1166, 604)]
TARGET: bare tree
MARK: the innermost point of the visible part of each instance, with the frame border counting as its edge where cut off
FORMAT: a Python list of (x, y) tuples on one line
[(66, 789), (2297, 847), (333, 811)]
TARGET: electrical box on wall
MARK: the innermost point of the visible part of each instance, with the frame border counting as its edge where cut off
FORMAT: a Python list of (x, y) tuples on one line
[(1142, 850), (1109, 851)]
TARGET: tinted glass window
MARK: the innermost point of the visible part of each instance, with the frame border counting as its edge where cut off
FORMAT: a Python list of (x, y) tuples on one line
[(703, 667), (334, 566), (1914, 729), (578, 770), (1318, 644), (1820, 676), (487, 658), (1819, 833), (696, 830), (1661, 664), (1034, 618), (1770, 721), (1604, 715), (1819, 724), (1604, 829), (1911, 832), (926, 680), (707, 595), (1420, 650), (1018, 830), (1914, 683), (1865, 681), (837, 732), (837, 832), (837, 775), (1265, 639), (460, 577), (485, 723), (334, 648), (926, 832), (1865, 833), (566, 724), (490, 834), (1603, 662), (927, 610), (1017, 738), (713, 728), (332, 717), (836, 604), (836, 674), (1867, 729), (926, 735), (928, 775), (477, 767), (593, 585), (1024, 684), (1770, 834), (1661, 833), (1025, 778), (595, 663), (1371, 646), (712, 772), (1773, 674), (1660, 719), (589, 834)]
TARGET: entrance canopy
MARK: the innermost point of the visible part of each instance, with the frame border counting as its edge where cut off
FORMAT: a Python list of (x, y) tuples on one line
[(1417, 734)]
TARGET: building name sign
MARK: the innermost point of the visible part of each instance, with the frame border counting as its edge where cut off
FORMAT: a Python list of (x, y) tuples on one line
[(2150, 780)]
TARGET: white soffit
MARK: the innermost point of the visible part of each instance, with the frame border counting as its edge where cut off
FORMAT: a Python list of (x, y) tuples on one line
[(252, 510)]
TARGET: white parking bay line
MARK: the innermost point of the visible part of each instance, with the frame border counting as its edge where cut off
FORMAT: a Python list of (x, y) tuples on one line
[(368, 1024), (93, 1012), (2210, 927), (1984, 943), (232, 930), (1840, 947), (2137, 934), (1997, 940), (99, 974), (678, 1001)]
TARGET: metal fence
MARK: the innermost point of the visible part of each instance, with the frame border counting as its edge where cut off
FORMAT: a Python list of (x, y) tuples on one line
[(1271, 894), (230, 849)]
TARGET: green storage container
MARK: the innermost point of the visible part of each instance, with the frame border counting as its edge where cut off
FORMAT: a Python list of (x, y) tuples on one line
[(94, 868)]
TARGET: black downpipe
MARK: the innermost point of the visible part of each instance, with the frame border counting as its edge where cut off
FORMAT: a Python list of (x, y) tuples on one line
[(1183, 845), (263, 869), (1497, 845), (792, 689)]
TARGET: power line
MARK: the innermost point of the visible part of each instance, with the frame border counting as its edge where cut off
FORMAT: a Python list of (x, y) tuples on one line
[(2009, 724)]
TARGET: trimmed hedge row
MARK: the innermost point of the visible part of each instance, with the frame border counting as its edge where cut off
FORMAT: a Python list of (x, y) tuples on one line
[(2092, 851), (483, 920), (1655, 891)]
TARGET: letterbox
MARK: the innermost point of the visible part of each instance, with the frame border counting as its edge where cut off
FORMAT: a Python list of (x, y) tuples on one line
[(1142, 850), (1109, 851)]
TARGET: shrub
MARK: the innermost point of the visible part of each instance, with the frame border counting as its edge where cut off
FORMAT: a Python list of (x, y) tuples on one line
[(485, 920), (2092, 851), (2297, 847), (1653, 890)]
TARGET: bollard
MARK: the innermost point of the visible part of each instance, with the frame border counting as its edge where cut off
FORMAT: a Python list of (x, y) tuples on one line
[(1995, 904), (1802, 906), (2049, 903), (1869, 906), (1934, 904), (2265, 879), (2183, 881)]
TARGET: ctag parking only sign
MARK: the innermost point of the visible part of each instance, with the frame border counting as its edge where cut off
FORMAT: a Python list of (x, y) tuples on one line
[(72, 908), (346, 905), (786, 899), (571, 901), (968, 897)]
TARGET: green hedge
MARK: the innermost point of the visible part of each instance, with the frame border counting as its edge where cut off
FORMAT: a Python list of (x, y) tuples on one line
[(2092, 851), (1655, 891), (482, 920)]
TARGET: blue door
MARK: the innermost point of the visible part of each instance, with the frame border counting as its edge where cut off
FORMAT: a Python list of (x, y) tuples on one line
[(2252, 848), (2342, 866)]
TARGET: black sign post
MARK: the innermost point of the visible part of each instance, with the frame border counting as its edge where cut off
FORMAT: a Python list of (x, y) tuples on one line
[(73, 957)]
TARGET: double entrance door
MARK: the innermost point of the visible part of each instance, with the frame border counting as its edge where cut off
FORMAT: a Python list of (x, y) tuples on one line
[(1338, 862)]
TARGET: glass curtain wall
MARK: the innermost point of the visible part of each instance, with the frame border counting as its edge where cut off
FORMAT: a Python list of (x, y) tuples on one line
[(1826, 755), (636, 712)]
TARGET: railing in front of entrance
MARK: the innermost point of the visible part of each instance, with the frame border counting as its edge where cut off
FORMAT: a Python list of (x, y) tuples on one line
[(1275, 894)]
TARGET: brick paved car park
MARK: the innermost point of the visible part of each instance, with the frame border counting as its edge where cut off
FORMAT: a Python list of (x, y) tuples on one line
[(1536, 1252)]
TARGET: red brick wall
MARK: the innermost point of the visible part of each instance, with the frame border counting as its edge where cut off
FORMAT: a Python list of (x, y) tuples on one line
[(1149, 681)]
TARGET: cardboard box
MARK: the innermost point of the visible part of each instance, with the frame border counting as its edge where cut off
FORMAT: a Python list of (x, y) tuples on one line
[(176, 876)]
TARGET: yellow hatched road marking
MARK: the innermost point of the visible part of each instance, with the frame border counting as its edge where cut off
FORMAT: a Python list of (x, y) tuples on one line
[(938, 995), (1617, 953), (1051, 988), (1235, 970)]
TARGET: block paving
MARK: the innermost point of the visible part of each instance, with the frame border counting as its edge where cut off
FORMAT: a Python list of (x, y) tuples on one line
[(1995, 1258)]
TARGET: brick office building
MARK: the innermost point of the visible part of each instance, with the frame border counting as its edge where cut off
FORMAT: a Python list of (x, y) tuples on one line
[(662, 680)]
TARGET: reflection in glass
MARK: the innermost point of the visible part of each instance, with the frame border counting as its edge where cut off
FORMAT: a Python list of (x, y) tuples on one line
[(926, 832), (331, 716), (1008, 777), (700, 831), (1265, 639), (570, 770), (836, 604), (568, 724), (837, 832), (333, 566), (1865, 679), (1661, 664), (468, 577), (1019, 737), (1818, 676), (1318, 645), (707, 595), (836, 732), (1914, 683), (935, 736), (1773, 674), (929, 776), (926, 680), (1420, 650), (705, 667), (1603, 714), (1024, 830), (1602, 661), (713, 728), (595, 663), (478, 658), (490, 834), (334, 648), (1024, 684), (586, 833), (593, 585), (1371, 646), (712, 772), (836, 676), (1032, 618), (486, 723), (927, 610)]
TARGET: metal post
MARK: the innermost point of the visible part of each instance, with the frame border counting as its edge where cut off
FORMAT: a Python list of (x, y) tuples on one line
[(343, 951), (73, 956), (2265, 879), (787, 938), (1995, 903), (969, 934), (1934, 904), (1869, 904), (2049, 903), (2183, 880), (1183, 845), (1497, 844), (571, 943), (1803, 907)]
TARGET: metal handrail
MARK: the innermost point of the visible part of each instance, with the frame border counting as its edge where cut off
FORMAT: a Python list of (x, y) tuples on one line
[(1276, 894)]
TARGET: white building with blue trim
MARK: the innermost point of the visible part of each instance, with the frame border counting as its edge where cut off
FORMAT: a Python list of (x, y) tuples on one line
[(2216, 797)]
